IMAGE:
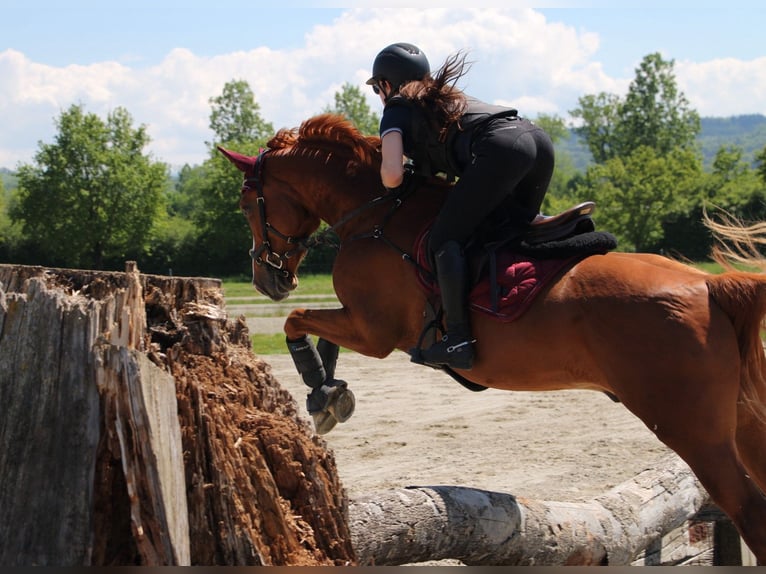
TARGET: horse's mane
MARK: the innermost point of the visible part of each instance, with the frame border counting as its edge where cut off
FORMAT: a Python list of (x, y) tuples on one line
[(330, 133)]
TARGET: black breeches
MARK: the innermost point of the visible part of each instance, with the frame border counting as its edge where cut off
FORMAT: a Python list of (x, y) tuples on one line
[(511, 168)]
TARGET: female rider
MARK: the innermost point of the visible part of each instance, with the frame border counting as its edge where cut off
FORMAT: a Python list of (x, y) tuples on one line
[(500, 162)]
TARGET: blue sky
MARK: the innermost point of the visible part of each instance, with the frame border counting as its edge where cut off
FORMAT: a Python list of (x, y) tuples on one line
[(163, 60), (142, 32)]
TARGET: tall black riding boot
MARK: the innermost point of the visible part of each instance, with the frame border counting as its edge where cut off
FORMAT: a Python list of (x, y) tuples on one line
[(455, 350)]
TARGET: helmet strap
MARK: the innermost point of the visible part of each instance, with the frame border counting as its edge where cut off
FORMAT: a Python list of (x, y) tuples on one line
[(387, 94)]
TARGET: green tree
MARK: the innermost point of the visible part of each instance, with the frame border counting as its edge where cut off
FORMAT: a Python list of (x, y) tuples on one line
[(182, 201), (637, 192), (208, 194), (5, 221), (653, 114), (731, 186), (648, 169), (91, 197), (760, 161), (599, 114), (235, 116), (3, 207), (554, 126), (10, 233), (351, 103)]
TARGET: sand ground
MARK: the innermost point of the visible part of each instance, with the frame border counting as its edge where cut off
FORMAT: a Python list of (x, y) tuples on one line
[(414, 426)]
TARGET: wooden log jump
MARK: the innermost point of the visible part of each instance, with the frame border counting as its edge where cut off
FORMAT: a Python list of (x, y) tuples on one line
[(490, 528)]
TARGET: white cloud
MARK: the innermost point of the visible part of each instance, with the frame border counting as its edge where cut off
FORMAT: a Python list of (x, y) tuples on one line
[(724, 87), (520, 59)]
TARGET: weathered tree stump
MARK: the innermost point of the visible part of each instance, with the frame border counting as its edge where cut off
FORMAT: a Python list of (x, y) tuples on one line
[(136, 427)]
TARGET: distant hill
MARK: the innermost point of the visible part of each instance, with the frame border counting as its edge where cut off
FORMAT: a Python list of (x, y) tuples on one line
[(747, 132)]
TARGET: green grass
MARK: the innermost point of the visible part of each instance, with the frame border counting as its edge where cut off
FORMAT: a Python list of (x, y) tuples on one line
[(235, 288), (713, 267), (239, 291), (709, 266), (269, 344)]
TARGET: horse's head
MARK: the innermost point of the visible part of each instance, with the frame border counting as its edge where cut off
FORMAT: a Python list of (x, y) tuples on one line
[(326, 168), (279, 224)]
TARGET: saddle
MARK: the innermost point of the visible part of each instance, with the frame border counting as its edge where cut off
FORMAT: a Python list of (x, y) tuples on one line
[(570, 233), (574, 220), (510, 267)]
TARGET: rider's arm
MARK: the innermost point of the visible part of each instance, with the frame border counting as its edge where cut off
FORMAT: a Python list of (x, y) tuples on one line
[(392, 165)]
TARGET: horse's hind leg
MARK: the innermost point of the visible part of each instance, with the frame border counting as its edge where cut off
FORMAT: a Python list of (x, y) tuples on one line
[(730, 486), (702, 432), (751, 444), (697, 418)]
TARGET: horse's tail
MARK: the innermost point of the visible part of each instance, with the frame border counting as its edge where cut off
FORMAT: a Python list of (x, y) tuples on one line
[(742, 297)]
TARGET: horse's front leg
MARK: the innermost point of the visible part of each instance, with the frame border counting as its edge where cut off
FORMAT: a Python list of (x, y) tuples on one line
[(360, 331), (330, 400)]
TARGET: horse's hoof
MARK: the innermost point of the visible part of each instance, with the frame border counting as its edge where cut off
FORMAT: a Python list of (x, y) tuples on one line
[(342, 405), (324, 422)]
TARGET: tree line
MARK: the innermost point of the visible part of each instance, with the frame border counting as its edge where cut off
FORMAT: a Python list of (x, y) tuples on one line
[(94, 197)]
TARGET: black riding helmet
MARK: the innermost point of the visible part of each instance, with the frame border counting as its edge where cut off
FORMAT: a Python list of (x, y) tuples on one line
[(399, 63)]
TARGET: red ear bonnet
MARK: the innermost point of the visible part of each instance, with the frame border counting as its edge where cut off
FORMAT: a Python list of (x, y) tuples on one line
[(244, 163)]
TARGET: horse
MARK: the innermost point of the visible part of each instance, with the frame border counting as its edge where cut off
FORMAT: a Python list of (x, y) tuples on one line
[(677, 346)]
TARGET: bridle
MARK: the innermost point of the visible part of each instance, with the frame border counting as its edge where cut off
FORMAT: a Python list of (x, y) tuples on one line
[(264, 254)]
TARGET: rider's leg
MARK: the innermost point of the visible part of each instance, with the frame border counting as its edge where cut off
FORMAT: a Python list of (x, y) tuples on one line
[(512, 161), (455, 349)]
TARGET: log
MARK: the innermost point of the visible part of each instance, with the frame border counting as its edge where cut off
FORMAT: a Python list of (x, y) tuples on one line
[(482, 528), (137, 427)]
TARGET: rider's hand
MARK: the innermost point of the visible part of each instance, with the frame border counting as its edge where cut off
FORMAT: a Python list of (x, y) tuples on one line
[(407, 176)]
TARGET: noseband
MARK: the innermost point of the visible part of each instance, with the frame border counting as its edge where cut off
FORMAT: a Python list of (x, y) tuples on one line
[(264, 254)]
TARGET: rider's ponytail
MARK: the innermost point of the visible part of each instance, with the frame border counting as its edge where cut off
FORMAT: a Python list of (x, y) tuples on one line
[(438, 93)]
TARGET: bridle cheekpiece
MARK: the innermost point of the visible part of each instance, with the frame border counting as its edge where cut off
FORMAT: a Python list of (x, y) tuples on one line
[(264, 254)]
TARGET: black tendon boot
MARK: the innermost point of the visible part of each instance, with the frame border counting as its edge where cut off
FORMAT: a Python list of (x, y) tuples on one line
[(455, 350), (330, 400)]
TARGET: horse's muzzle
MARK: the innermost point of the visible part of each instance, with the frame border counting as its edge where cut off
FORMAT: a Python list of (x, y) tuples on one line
[(274, 283)]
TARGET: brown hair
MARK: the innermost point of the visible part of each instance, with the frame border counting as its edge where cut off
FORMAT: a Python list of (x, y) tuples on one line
[(437, 95)]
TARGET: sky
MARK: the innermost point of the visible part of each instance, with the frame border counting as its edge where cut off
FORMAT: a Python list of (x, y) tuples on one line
[(163, 60)]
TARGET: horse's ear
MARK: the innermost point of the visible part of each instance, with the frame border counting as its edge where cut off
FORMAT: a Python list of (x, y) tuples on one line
[(244, 163)]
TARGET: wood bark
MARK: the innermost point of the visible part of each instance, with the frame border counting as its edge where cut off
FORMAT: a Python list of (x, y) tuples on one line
[(137, 427), (485, 528)]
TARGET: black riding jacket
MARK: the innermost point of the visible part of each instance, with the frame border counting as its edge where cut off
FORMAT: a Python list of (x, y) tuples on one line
[(431, 151)]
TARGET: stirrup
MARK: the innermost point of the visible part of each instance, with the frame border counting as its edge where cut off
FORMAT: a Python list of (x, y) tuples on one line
[(457, 356)]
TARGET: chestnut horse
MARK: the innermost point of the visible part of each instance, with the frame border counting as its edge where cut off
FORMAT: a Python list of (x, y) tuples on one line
[(679, 347)]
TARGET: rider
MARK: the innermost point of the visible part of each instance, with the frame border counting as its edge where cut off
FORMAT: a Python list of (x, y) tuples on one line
[(500, 161)]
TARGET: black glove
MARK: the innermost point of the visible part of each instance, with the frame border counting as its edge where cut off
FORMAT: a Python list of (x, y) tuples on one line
[(409, 178)]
